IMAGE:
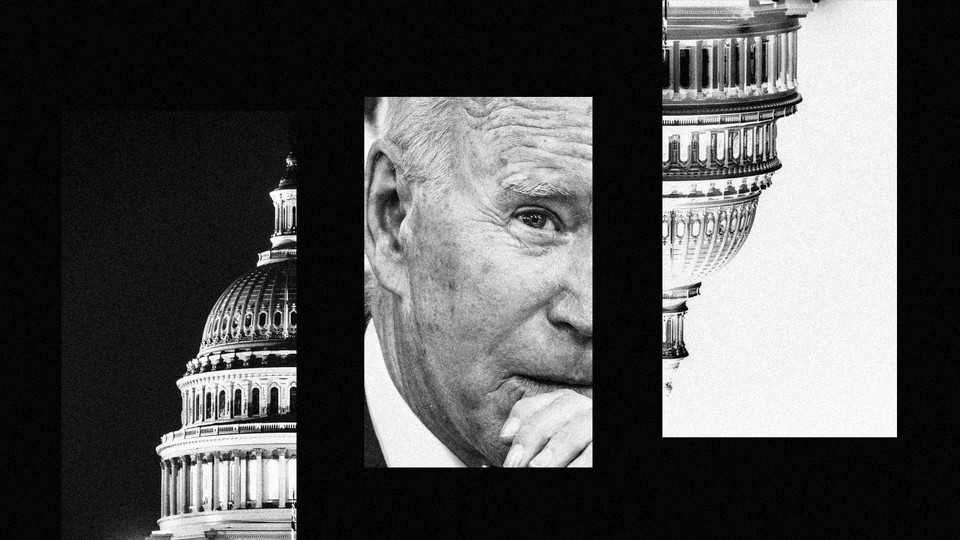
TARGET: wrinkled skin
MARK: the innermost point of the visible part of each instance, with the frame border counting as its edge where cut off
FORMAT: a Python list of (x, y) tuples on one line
[(492, 291)]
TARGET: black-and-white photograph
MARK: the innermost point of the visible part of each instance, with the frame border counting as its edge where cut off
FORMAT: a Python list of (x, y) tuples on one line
[(478, 232), (780, 309), (179, 325)]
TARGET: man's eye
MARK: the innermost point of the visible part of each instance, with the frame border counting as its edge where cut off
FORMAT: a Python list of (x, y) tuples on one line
[(538, 219)]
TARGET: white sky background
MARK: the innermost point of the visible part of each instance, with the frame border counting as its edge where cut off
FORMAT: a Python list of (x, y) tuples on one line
[(797, 336)]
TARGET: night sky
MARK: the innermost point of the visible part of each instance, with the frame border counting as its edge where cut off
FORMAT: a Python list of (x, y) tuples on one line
[(160, 213)]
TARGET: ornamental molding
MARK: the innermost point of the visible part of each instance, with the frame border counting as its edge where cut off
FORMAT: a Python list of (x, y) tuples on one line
[(714, 189), (727, 114), (222, 377), (225, 443)]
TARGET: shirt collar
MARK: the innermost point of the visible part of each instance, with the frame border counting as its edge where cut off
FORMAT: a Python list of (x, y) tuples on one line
[(404, 439)]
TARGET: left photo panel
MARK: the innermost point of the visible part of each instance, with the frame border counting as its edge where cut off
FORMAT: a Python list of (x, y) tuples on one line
[(179, 266)]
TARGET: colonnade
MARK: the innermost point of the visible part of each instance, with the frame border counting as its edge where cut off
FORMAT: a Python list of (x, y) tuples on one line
[(720, 147), (752, 65), (194, 405), (181, 481)]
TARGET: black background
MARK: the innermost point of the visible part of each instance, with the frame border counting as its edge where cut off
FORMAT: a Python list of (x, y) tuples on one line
[(126, 343)]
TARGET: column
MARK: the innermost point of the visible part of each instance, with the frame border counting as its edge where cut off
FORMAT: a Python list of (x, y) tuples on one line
[(246, 397), (235, 493), (198, 484), (185, 494), (282, 456), (259, 453), (243, 479), (226, 503), (214, 498), (233, 413), (172, 510), (163, 488)]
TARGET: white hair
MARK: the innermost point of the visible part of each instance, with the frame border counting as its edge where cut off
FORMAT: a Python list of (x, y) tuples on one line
[(427, 131)]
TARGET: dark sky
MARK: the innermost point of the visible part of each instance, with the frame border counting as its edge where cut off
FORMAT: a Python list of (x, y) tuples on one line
[(160, 212)]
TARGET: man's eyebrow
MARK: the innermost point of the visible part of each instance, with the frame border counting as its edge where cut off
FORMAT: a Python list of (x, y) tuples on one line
[(534, 187)]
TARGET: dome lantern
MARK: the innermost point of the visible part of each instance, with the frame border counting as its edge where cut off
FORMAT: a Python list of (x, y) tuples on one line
[(284, 239)]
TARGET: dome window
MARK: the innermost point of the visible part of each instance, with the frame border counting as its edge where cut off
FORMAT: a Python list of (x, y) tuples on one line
[(293, 399), (263, 319), (196, 407), (277, 318), (248, 320), (222, 404), (254, 407), (274, 401), (224, 325), (293, 318), (208, 411), (236, 403)]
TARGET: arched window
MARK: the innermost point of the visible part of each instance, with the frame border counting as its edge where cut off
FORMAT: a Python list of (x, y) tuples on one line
[(196, 407), (294, 217), (277, 317), (274, 400), (237, 395), (293, 399), (293, 318), (263, 319), (253, 408), (209, 399), (222, 404)]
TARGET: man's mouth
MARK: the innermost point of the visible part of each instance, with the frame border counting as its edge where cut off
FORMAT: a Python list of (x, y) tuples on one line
[(540, 385)]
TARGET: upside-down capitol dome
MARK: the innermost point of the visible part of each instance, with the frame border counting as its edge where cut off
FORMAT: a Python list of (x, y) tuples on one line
[(230, 471)]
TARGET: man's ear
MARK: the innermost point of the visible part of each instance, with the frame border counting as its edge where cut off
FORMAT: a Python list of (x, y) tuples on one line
[(386, 205)]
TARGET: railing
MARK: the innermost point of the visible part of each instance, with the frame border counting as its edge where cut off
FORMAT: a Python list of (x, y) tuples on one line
[(212, 431)]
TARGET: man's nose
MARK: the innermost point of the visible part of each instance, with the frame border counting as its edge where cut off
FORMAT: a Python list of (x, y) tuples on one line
[(573, 306)]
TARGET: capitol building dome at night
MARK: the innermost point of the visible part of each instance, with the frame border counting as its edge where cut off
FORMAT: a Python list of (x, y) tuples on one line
[(230, 471)]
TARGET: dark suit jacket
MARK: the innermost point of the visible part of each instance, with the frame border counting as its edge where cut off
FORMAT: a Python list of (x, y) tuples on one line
[(372, 455)]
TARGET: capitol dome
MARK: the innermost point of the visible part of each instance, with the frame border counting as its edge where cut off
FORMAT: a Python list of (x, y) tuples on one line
[(230, 471), (258, 311)]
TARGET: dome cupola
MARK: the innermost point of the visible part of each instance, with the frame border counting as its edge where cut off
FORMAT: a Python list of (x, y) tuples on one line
[(284, 238)]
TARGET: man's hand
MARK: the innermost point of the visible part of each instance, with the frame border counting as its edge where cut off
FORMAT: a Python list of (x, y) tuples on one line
[(550, 430)]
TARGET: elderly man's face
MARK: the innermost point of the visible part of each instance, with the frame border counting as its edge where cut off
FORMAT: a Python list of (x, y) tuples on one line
[(500, 270)]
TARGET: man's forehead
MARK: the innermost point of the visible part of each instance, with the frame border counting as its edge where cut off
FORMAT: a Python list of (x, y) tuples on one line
[(532, 144), (488, 114)]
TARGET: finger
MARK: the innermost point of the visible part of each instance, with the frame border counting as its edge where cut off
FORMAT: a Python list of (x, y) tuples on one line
[(567, 443), (535, 431), (585, 459), (524, 409)]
